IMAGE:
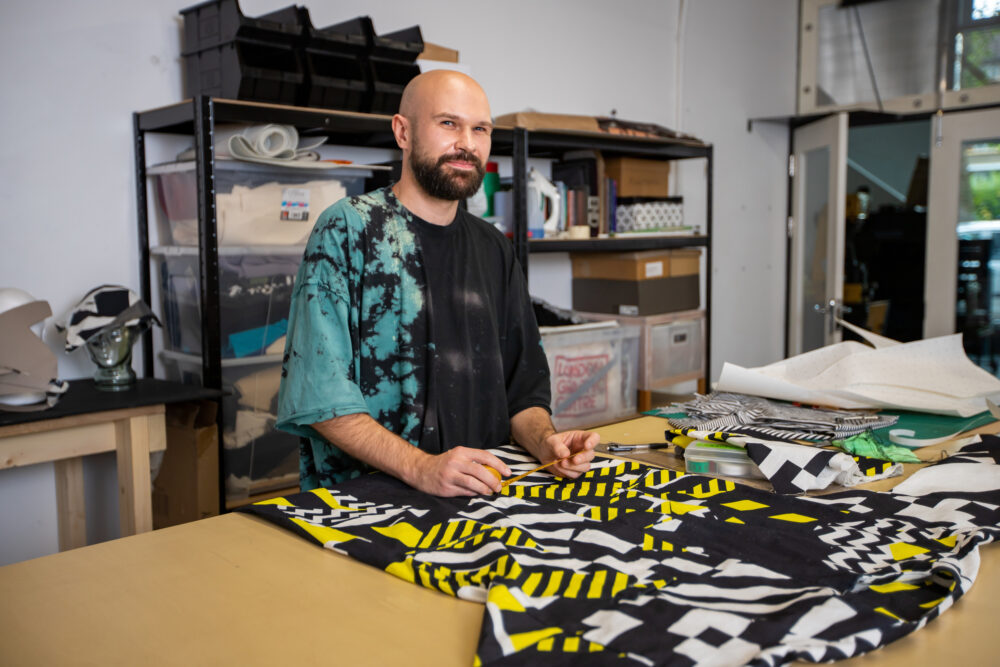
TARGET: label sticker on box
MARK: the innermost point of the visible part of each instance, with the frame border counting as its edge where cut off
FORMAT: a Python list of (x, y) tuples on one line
[(580, 384), (624, 309), (295, 204), (654, 269)]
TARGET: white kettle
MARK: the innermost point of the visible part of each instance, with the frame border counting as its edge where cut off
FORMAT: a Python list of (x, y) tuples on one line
[(541, 189)]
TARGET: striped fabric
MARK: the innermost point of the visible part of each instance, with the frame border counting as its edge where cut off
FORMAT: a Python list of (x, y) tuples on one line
[(761, 417)]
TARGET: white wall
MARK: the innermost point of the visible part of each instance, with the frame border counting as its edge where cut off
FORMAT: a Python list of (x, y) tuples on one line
[(74, 72)]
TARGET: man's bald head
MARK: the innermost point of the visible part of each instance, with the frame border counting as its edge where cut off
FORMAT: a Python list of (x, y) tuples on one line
[(426, 92), (444, 130)]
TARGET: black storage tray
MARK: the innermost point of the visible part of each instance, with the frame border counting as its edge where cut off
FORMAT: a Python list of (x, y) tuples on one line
[(247, 70), (355, 36), (405, 45), (389, 78), (337, 80), (217, 22)]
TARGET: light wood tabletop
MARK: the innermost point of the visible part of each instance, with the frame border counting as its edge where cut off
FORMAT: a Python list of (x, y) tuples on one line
[(234, 589)]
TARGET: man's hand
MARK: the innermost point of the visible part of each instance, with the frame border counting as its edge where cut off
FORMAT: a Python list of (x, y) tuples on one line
[(580, 444), (458, 472), (532, 429)]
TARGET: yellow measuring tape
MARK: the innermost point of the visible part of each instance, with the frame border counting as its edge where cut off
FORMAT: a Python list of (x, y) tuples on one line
[(507, 482)]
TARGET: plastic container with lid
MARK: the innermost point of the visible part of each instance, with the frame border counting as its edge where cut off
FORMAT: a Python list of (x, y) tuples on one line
[(717, 458), (593, 369)]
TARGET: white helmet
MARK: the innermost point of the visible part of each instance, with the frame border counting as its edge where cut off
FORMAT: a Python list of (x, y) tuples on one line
[(10, 298)]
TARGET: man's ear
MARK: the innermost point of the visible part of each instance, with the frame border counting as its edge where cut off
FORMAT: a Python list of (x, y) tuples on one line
[(401, 130)]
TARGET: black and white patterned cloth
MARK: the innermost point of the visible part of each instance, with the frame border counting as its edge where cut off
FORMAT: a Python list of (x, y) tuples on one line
[(104, 308), (794, 469), (773, 420), (631, 564)]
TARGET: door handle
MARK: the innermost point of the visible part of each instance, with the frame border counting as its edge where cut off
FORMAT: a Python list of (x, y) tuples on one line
[(832, 306), (832, 310)]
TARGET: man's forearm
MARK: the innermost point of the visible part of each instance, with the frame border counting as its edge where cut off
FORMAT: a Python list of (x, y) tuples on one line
[(530, 427), (366, 440)]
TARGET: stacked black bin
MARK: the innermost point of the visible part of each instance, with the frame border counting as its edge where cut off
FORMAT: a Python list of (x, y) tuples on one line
[(280, 57), (340, 56), (233, 56), (337, 61)]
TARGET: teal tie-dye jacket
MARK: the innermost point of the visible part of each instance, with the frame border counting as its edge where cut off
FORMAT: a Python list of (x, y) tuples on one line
[(361, 288), (359, 333)]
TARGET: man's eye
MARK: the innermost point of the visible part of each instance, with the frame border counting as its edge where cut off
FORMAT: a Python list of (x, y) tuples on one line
[(448, 122)]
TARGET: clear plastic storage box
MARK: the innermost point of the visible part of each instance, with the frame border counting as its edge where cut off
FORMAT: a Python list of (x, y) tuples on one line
[(255, 294), (716, 458), (256, 458), (256, 204), (594, 371), (671, 346)]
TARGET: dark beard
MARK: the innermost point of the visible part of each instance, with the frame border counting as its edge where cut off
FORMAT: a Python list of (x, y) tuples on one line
[(440, 184)]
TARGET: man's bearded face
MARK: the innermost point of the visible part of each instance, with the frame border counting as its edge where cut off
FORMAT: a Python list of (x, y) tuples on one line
[(442, 181)]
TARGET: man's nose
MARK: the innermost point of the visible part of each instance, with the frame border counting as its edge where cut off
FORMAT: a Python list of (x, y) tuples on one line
[(465, 140)]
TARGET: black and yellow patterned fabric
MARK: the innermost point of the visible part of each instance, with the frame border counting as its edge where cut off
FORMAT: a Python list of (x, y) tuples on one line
[(635, 565)]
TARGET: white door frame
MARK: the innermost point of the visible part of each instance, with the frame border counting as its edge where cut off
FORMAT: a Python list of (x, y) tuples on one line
[(829, 132), (948, 132)]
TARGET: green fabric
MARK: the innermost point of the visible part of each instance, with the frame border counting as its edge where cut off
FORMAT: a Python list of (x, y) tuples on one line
[(658, 412), (927, 426), (870, 445)]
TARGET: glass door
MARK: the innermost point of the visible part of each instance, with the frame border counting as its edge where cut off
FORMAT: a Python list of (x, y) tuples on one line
[(816, 282), (962, 291)]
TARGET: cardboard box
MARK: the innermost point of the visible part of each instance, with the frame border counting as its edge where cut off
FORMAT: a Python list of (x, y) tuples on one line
[(439, 53), (636, 177), (533, 120), (641, 265), (636, 297), (187, 485)]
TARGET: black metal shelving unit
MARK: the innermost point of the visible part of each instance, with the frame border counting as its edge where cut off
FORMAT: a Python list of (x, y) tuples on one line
[(198, 118), (521, 144)]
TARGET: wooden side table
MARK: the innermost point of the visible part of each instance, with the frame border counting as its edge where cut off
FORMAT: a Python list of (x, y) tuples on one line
[(89, 421)]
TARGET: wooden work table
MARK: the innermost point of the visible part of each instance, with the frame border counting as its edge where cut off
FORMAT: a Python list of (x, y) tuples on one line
[(234, 589), (85, 421)]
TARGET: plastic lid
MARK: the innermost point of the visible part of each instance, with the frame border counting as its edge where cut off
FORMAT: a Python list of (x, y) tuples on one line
[(491, 168), (714, 452)]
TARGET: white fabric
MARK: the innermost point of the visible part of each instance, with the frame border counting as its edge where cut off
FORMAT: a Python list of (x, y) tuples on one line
[(249, 426), (258, 390), (252, 216), (964, 477), (932, 375), (271, 143)]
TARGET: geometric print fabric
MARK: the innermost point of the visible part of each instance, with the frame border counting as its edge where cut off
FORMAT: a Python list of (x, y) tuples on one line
[(794, 468), (631, 564)]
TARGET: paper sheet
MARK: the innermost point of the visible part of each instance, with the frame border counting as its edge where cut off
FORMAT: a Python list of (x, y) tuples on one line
[(932, 375)]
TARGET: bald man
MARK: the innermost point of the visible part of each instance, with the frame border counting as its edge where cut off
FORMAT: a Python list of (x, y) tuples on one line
[(412, 345)]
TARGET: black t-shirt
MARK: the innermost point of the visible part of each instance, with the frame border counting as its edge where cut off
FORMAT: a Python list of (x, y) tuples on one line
[(485, 363)]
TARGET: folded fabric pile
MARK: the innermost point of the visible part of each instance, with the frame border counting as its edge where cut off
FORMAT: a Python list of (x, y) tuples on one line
[(769, 432), (760, 417)]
